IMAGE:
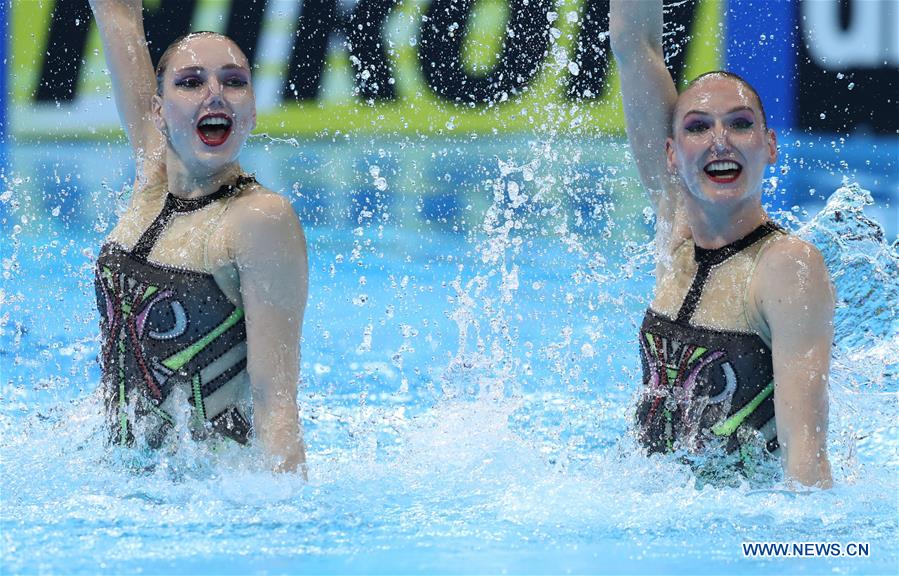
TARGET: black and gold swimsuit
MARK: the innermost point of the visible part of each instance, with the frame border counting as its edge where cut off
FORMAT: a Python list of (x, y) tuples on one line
[(165, 328), (699, 382)]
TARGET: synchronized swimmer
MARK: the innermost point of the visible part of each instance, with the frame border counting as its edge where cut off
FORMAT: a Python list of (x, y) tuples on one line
[(202, 283), (736, 342)]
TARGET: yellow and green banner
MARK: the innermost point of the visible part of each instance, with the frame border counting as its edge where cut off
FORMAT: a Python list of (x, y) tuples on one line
[(325, 67)]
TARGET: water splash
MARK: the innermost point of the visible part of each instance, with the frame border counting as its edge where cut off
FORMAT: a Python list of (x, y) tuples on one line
[(864, 269), (547, 470), (489, 295)]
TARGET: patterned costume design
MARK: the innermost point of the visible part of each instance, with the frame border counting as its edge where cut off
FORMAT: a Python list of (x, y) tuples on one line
[(165, 328), (699, 382), (675, 371)]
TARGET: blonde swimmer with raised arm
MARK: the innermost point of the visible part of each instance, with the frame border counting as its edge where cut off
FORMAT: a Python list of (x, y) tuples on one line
[(202, 283), (736, 342)]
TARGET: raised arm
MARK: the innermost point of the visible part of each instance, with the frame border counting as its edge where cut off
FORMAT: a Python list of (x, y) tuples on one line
[(121, 27), (270, 252), (795, 298), (649, 97)]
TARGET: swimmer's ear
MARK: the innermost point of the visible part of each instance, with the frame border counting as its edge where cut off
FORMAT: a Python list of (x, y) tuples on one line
[(772, 146), (156, 113), (669, 155)]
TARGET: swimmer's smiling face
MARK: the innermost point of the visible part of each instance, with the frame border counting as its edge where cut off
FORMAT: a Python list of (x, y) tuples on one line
[(206, 106), (720, 145)]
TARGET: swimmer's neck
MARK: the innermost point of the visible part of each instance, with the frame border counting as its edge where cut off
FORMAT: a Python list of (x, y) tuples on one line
[(185, 183), (713, 227)]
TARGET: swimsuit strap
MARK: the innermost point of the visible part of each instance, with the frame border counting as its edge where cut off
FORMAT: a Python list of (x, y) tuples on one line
[(708, 258), (176, 205), (211, 228), (751, 313)]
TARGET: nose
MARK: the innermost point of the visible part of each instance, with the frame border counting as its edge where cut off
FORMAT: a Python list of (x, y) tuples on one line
[(215, 91), (719, 138)]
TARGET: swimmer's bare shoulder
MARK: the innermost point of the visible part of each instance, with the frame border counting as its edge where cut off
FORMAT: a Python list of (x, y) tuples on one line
[(790, 276), (265, 237), (258, 214), (257, 205), (259, 230)]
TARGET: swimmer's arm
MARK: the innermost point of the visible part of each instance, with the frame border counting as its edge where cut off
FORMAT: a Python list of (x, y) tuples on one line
[(121, 28), (270, 253), (649, 96), (795, 298)]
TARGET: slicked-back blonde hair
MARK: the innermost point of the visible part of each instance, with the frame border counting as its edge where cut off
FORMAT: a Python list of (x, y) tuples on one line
[(167, 55), (721, 74)]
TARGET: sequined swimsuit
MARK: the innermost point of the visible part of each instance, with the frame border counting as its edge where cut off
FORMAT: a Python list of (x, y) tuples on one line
[(165, 328)]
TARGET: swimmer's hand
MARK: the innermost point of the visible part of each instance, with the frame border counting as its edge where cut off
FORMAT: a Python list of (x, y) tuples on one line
[(283, 444), (290, 463)]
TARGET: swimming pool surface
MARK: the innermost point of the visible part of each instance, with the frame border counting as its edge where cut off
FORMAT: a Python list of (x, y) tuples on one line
[(469, 373)]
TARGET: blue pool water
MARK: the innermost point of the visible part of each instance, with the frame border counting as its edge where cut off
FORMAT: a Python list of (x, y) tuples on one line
[(469, 371)]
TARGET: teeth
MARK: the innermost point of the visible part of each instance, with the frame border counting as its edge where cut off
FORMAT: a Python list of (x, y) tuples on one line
[(215, 121), (722, 166)]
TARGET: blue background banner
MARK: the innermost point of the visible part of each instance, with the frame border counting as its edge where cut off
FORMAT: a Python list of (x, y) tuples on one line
[(760, 47)]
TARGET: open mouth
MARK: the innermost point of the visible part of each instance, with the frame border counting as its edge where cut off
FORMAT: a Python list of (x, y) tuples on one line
[(723, 171), (214, 129)]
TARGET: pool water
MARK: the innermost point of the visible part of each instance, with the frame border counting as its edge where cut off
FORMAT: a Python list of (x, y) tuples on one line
[(469, 373)]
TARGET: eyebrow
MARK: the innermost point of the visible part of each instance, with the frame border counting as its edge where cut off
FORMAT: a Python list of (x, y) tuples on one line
[(196, 69), (731, 111), (235, 67)]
